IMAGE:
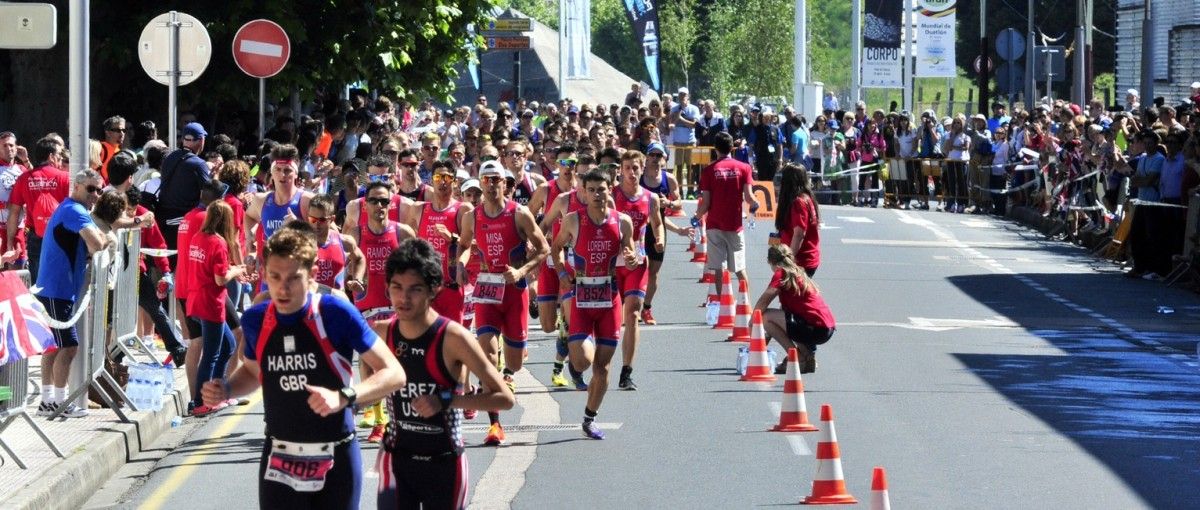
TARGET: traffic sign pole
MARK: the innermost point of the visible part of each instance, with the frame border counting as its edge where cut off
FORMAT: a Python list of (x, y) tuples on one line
[(173, 88), (985, 72), (261, 49), (262, 108)]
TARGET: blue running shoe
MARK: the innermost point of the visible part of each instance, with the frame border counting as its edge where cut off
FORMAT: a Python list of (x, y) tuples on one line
[(591, 431)]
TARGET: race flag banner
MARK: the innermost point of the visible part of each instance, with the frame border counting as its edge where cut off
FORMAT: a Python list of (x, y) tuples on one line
[(578, 31), (23, 331), (881, 66), (643, 15), (935, 38)]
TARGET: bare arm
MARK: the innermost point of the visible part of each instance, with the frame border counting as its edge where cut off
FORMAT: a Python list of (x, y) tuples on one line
[(566, 235), (95, 239), (538, 200), (250, 220), (356, 269), (656, 224), (350, 226), (530, 231), (555, 211), (462, 350), (15, 213), (702, 209), (766, 298)]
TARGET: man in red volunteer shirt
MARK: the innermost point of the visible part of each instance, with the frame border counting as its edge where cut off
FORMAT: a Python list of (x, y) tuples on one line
[(725, 184), (440, 223), (12, 165), (35, 196)]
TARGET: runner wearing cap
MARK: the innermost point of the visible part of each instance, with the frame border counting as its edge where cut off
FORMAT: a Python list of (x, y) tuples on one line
[(501, 229), (548, 299), (666, 187), (599, 235), (471, 194)]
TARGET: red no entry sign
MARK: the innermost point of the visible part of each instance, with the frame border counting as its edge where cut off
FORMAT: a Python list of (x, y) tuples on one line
[(261, 48)]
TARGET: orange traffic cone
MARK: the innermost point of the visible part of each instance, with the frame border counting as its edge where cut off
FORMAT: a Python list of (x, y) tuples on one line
[(708, 277), (725, 317), (793, 415), (829, 486), (741, 315), (759, 368), (712, 288), (879, 491), (701, 253)]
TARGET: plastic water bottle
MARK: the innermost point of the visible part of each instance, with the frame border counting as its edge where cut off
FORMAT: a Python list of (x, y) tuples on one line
[(695, 222), (743, 359), (771, 355), (712, 313), (176, 421)]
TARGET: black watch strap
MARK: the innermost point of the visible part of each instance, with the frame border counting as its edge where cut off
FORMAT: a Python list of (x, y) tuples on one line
[(350, 395)]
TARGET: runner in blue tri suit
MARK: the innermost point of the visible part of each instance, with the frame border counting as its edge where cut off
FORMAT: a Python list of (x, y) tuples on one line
[(421, 464), (266, 212), (298, 349)]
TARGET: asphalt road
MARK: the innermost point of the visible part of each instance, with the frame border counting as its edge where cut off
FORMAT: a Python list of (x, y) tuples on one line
[(982, 366)]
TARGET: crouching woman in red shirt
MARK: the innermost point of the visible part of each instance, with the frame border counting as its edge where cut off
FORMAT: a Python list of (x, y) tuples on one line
[(209, 256), (804, 320)]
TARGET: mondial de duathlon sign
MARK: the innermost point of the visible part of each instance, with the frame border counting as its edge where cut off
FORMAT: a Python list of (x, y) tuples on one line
[(935, 38)]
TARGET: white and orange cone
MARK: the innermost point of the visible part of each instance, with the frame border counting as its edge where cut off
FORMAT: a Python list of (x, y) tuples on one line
[(725, 317), (829, 486), (759, 367), (879, 490), (741, 315), (709, 276), (712, 288), (700, 254), (793, 414)]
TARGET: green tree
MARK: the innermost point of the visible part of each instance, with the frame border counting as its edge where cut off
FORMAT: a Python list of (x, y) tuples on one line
[(403, 47), (680, 31), (752, 52)]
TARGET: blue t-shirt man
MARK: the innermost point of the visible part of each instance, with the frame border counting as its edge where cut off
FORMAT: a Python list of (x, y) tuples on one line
[(685, 135), (64, 250)]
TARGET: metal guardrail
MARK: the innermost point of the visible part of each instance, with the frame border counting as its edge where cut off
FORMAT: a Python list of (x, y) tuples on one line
[(15, 375)]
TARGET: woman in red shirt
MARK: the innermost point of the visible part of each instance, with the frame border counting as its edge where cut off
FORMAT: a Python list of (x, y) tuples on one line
[(210, 267), (804, 320), (798, 219)]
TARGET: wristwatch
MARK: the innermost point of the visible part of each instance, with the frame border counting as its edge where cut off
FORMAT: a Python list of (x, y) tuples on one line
[(137, 221), (349, 394), (446, 396)]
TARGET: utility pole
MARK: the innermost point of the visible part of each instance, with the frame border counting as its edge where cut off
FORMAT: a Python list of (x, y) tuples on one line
[(1079, 93), (1147, 86), (1030, 87), (907, 57), (856, 51), (984, 57)]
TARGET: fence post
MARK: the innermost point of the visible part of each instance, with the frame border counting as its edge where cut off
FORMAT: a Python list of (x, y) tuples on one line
[(937, 102), (950, 102), (970, 100)]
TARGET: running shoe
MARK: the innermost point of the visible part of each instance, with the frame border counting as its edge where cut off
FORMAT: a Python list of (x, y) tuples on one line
[(627, 383), (495, 435), (557, 379), (648, 318), (201, 411), (47, 409), (577, 378), (376, 434), (178, 356), (592, 431), (781, 368), (368, 419), (512, 385), (74, 411), (469, 414)]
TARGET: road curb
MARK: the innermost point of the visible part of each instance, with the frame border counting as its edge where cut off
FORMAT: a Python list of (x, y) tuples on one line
[(74, 480)]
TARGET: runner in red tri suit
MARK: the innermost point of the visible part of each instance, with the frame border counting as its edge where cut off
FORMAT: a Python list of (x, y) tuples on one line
[(642, 207), (600, 236), (502, 229), (440, 223), (338, 256), (548, 300)]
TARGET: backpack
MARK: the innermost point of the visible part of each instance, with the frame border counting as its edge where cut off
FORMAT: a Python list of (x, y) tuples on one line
[(40, 212)]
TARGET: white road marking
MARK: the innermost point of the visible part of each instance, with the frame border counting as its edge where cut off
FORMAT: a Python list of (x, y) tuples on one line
[(826, 226), (978, 223), (505, 476), (934, 244), (856, 219), (265, 49)]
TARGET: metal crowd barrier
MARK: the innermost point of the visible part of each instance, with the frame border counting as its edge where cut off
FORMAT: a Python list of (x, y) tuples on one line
[(125, 298), (907, 179), (15, 375)]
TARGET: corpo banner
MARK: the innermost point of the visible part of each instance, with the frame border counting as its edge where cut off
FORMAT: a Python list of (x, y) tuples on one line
[(935, 38), (881, 66)]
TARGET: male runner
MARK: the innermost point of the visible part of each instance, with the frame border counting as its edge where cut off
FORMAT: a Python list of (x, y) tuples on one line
[(422, 462), (663, 184), (338, 255), (298, 347), (379, 169), (272, 208), (643, 208), (501, 229), (377, 238), (548, 300), (440, 223), (409, 183), (515, 158), (600, 235)]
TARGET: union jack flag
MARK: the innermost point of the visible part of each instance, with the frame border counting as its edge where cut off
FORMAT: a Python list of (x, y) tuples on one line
[(23, 331)]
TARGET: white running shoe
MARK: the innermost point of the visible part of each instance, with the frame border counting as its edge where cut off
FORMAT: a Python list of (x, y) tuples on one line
[(74, 411)]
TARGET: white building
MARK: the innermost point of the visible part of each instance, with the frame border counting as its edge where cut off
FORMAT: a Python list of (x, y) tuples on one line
[(1176, 61)]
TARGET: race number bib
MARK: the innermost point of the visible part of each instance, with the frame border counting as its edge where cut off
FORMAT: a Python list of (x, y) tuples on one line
[(301, 466), (489, 288), (593, 292)]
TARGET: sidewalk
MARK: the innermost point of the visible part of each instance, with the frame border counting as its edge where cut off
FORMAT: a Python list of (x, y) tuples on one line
[(95, 448)]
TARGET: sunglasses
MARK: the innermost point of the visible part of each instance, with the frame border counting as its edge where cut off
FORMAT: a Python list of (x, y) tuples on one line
[(379, 178), (515, 154), (569, 163), (443, 178), (409, 164), (429, 147), (115, 130), (491, 179), (381, 202), (94, 190), (319, 221)]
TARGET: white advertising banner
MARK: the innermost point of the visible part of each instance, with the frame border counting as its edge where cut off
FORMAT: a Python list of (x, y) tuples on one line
[(935, 36)]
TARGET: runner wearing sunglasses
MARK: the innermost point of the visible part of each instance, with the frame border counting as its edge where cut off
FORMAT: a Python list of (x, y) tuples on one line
[(340, 264), (549, 301), (440, 223)]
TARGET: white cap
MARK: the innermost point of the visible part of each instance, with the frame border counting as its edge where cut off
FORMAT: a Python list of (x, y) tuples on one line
[(1196, 84), (491, 168), (1132, 92), (683, 90), (470, 183), (462, 175)]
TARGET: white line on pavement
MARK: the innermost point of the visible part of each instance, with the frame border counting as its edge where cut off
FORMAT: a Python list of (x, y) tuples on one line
[(856, 219), (505, 476)]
